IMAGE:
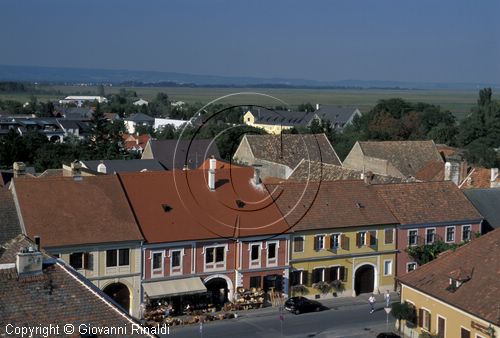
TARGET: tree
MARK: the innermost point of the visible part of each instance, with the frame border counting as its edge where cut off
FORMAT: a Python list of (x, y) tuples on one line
[(100, 90), (484, 97), (12, 149), (423, 254), (404, 311), (306, 107)]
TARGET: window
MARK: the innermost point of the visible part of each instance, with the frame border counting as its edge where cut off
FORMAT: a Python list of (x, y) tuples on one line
[(271, 251), (412, 237), (256, 282), (298, 244), (296, 277), (157, 261), (388, 268), (255, 254), (466, 233), (430, 236), (120, 257), (450, 234), (176, 258), (214, 255), (464, 333), (389, 236), (318, 275), (76, 260), (371, 238), (424, 319), (319, 242), (411, 266), (334, 273), (335, 241), (111, 258), (124, 255), (248, 119), (361, 238)]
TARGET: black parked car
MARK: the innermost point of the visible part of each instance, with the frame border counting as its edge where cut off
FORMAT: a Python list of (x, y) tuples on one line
[(388, 335), (299, 305)]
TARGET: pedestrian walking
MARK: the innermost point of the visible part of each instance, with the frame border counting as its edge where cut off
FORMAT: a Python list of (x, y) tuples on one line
[(371, 300), (387, 298)]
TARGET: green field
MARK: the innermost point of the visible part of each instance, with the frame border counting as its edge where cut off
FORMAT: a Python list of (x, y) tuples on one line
[(459, 102)]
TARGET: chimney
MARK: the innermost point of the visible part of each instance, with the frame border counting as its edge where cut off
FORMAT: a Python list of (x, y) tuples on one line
[(19, 169), (447, 171), (101, 168), (29, 262), (256, 174), (76, 167), (317, 106), (211, 173), (494, 174)]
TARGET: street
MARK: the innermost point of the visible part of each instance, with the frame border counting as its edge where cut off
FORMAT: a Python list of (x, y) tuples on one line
[(347, 321)]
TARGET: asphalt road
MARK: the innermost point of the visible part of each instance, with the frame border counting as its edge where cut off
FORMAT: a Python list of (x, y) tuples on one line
[(346, 322)]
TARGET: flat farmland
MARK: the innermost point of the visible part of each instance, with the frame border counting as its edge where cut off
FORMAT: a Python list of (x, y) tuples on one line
[(457, 101)]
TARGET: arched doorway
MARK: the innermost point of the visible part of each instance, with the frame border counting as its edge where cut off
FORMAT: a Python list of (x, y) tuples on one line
[(119, 293), (364, 279), (217, 290)]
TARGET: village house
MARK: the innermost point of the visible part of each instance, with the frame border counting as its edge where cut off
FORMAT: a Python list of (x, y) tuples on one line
[(138, 120), (140, 102), (428, 212), (87, 222), (456, 295), (79, 100), (279, 155), (417, 159), (342, 233), (205, 241), (135, 143), (480, 177), (41, 291), (277, 121), (177, 154)]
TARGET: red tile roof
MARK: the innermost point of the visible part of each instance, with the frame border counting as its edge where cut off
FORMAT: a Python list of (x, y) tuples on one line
[(477, 260), (178, 205), (432, 171), (64, 211), (58, 296), (329, 204), (427, 202), (479, 178), (131, 142)]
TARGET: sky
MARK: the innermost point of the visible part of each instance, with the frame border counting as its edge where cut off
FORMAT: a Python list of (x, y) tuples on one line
[(411, 40)]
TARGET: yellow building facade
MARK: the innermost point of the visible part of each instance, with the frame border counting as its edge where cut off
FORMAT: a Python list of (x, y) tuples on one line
[(363, 259), (435, 316), (275, 129)]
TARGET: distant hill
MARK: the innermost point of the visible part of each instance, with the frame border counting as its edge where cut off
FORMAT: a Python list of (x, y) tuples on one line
[(59, 75)]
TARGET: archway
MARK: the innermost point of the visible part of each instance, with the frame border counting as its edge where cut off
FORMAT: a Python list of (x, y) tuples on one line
[(119, 293), (364, 279), (218, 291), (55, 139)]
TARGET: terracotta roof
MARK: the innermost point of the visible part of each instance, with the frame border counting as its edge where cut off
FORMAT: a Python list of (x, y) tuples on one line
[(329, 204), (479, 178), (427, 202), (131, 142), (9, 222), (195, 151), (478, 295), (219, 165), (57, 297), (406, 156), (290, 149), (315, 171), (64, 211), (446, 151), (431, 171), (51, 173), (119, 166), (178, 205)]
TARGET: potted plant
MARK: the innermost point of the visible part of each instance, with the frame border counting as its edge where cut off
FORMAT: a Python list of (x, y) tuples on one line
[(323, 287), (300, 289), (337, 286)]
